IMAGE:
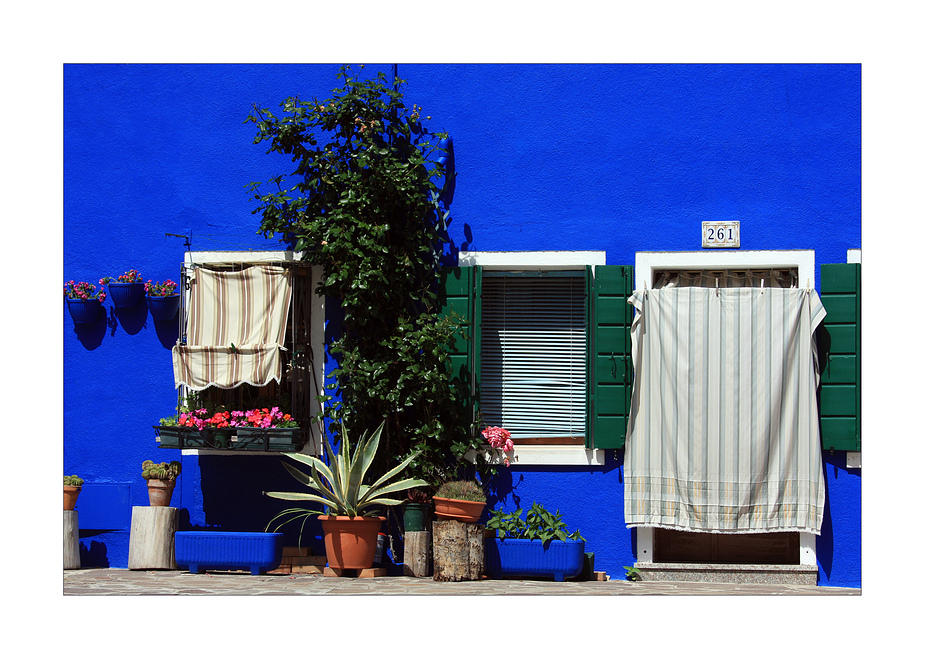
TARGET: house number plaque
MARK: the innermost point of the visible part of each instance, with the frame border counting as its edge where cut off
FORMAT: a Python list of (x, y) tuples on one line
[(720, 234)]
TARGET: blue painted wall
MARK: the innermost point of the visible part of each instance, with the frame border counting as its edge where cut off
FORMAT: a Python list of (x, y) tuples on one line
[(620, 158)]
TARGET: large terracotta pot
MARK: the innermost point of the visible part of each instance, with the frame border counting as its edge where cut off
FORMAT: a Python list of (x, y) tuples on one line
[(160, 492), (350, 542), (458, 509), (70, 496)]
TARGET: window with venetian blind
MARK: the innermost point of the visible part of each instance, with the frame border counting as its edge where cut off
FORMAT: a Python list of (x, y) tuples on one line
[(534, 361)]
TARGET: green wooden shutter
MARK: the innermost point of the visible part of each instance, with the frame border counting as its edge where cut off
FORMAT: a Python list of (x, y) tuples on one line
[(611, 373), (840, 352), (457, 294)]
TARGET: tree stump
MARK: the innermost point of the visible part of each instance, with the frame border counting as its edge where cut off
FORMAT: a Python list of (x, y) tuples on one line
[(151, 542), (71, 541), (459, 551), (417, 556)]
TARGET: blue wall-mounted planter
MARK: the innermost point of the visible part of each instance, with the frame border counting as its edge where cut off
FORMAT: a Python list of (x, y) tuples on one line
[(126, 294), (559, 559)]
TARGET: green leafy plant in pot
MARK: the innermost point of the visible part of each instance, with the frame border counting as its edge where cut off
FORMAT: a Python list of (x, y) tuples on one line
[(351, 525), (538, 546)]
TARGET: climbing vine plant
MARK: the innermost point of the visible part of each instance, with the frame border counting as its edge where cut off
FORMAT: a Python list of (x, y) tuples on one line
[(363, 202)]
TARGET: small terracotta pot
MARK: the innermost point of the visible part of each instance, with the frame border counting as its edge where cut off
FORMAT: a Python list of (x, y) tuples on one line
[(71, 493), (458, 509), (350, 542), (160, 492)]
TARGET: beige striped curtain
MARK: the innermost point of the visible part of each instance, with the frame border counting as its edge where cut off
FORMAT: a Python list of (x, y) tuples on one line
[(237, 326), (724, 428)]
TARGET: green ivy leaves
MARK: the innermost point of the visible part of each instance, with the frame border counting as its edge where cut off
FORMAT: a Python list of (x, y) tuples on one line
[(362, 203)]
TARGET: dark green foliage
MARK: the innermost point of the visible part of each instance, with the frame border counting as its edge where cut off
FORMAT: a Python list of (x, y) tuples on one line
[(540, 524), (362, 203)]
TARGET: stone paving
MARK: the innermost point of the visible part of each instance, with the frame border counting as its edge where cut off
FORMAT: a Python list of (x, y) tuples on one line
[(110, 581)]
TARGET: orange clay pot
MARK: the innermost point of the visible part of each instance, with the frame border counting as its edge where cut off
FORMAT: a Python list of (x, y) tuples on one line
[(71, 493), (350, 542), (458, 509)]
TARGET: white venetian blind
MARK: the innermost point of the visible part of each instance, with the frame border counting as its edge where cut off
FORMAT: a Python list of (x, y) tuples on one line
[(533, 355)]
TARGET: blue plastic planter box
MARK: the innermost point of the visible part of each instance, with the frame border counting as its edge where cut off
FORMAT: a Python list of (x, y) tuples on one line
[(559, 559), (225, 550)]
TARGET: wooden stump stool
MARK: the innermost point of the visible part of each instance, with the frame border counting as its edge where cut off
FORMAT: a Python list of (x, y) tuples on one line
[(459, 550), (71, 541), (151, 543), (417, 556)]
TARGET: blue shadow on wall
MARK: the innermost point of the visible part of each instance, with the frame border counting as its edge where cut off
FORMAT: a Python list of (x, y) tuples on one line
[(94, 554), (91, 334), (233, 497), (132, 319), (168, 331)]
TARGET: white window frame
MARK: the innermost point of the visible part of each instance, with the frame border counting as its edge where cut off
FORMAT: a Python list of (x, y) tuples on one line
[(316, 332), (647, 263), (539, 261)]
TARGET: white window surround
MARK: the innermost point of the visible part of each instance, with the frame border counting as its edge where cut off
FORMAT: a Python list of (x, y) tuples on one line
[(649, 262), (317, 328), (552, 260)]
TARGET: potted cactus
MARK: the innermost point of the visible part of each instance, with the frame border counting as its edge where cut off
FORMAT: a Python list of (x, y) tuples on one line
[(72, 485), (462, 500), (161, 478)]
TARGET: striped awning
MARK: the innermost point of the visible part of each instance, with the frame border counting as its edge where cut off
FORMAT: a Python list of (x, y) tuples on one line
[(237, 326), (724, 427)]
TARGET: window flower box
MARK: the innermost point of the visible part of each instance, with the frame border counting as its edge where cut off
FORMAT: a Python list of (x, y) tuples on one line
[(180, 437), (285, 440)]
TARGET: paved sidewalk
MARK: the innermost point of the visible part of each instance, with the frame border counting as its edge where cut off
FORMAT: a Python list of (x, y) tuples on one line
[(110, 581)]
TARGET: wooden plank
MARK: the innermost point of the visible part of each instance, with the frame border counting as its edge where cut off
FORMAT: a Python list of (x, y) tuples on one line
[(417, 554)]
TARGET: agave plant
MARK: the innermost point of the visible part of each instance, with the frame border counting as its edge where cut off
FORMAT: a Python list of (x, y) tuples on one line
[(340, 486)]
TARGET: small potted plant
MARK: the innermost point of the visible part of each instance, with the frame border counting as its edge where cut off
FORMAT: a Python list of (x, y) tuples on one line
[(83, 301), (126, 290), (462, 500), (72, 485), (161, 478), (416, 510), (539, 546), (351, 525), (163, 299)]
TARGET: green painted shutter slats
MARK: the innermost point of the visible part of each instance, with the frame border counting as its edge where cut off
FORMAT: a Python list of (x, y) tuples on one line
[(610, 391), (840, 350), (457, 296)]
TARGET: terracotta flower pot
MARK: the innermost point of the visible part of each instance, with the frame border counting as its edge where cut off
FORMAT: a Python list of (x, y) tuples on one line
[(458, 509), (160, 492), (70, 496), (350, 542)]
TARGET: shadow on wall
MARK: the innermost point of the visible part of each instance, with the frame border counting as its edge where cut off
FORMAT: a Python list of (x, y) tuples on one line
[(502, 487), (94, 555), (825, 543), (132, 320), (233, 499), (91, 334)]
